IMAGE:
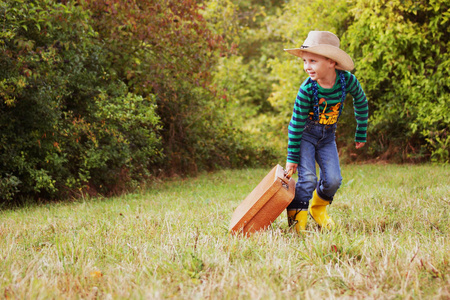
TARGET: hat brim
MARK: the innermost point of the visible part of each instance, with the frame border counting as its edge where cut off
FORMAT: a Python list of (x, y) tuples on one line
[(342, 59)]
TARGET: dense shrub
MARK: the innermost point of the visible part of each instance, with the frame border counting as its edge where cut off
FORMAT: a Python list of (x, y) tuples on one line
[(66, 123)]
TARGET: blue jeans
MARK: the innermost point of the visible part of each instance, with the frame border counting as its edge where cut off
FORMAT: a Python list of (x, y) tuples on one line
[(318, 144)]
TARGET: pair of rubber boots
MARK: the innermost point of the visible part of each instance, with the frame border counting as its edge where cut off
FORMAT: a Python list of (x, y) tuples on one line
[(318, 210)]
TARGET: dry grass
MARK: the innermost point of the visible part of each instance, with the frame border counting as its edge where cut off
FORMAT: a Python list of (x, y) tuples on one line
[(392, 242)]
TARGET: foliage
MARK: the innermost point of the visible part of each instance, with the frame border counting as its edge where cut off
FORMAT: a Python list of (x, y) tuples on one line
[(66, 124), (244, 74), (166, 48), (402, 53)]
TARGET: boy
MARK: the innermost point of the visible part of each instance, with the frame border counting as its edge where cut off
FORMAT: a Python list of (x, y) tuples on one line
[(317, 108)]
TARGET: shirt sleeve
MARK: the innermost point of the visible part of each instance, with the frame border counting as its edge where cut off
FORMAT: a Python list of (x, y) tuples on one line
[(302, 107), (360, 106)]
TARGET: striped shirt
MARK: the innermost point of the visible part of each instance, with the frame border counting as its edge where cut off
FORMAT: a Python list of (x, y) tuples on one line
[(304, 103)]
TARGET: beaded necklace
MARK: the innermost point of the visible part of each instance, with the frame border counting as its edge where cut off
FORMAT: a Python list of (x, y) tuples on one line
[(316, 97)]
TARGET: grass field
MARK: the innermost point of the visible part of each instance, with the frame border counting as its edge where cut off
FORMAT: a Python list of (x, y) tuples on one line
[(171, 241)]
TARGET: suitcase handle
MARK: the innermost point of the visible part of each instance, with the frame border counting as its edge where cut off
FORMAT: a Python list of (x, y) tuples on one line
[(283, 175), (289, 174)]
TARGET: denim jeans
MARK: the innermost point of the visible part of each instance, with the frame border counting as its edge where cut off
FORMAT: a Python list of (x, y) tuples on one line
[(318, 145)]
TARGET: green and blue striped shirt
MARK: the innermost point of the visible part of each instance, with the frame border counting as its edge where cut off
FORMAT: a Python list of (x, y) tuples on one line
[(304, 104)]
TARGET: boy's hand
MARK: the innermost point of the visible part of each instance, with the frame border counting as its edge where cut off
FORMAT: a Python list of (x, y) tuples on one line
[(291, 166), (359, 145)]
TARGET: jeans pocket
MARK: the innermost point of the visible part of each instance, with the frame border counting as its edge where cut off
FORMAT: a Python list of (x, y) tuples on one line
[(308, 126)]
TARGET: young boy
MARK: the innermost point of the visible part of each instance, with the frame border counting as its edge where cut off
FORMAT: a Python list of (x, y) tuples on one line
[(317, 108)]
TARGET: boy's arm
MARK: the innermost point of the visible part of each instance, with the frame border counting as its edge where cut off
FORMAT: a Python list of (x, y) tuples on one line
[(300, 113), (361, 108)]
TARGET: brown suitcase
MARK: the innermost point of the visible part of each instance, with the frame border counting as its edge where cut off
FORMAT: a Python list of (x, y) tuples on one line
[(265, 203)]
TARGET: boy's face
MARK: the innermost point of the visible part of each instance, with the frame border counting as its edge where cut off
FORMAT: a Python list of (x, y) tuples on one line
[(318, 67)]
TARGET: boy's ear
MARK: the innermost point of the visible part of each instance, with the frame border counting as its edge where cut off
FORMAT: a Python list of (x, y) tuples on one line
[(332, 62)]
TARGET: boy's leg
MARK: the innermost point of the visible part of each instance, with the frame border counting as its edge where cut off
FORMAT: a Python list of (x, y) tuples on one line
[(330, 171), (307, 178), (297, 211), (330, 179)]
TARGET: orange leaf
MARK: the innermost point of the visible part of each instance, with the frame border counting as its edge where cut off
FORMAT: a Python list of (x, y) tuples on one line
[(96, 274)]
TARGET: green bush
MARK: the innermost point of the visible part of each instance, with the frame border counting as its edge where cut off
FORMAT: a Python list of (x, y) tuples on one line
[(66, 123)]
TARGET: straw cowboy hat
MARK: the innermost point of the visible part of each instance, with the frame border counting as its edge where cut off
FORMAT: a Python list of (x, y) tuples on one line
[(326, 44)]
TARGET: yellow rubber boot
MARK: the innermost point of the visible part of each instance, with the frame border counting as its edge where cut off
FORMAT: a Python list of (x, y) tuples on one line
[(318, 210), (297, 218)]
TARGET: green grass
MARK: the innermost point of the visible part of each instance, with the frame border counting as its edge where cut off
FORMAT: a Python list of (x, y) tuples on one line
[(172, 241)]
